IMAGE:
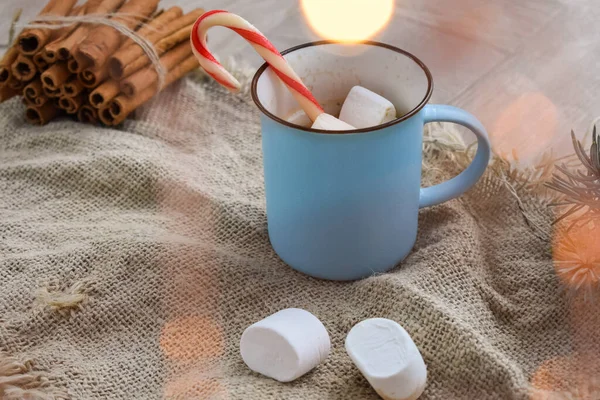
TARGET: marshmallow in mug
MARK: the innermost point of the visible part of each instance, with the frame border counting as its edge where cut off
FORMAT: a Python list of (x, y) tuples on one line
[(324, 121), (388, 358), (286, 345), (330, 123), (364, 108)]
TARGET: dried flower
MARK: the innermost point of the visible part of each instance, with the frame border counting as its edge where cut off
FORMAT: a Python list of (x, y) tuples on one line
[(15, 20), (576, 250), (580, 189), (577, 257)]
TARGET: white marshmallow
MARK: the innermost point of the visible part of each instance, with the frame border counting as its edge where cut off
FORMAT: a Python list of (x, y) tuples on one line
[(299, 118), (388, 358), (330, 123), (285, 345), (364, 108)]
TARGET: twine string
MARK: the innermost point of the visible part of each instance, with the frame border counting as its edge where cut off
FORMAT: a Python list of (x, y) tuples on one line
[(57, 22)]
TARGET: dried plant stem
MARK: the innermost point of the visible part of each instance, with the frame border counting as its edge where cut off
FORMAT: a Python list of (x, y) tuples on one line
[(580, 189)]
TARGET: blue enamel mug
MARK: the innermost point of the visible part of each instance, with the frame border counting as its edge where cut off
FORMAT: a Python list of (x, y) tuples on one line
[(345, 205)]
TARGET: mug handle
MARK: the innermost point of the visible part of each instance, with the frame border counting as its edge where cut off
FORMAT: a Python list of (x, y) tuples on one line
[(462, 182)]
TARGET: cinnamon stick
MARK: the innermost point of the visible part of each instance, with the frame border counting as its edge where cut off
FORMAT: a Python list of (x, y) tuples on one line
[(63, 102), (4, 75), (121, 106), (106, 117), (73, 66), (23, 68), (87, 114), (72, 87), (156, 25), (148, 76), (51, 93), (33, 90), (31, 40), (157, 13), (40, 100), (103, 40), (26, 102), (50, 51), (5, 64), (130, 59), (92, 77), (40, 61), (55, 76), (96, 7), (48, 7), (104, 93), (10, 55), (71, 104), (69, 45), (171, 41), (6, 92), (41, 115), (15, 84)]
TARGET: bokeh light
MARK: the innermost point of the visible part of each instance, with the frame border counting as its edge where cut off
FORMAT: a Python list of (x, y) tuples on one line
[(528, 124), (192, 338), (195, 385), (347, 20), (566, 377)]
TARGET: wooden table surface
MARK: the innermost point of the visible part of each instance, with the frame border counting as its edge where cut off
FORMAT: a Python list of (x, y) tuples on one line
[(528, 69)]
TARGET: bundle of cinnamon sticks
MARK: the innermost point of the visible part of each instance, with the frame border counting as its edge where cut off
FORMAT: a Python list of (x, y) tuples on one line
[(92, 71)]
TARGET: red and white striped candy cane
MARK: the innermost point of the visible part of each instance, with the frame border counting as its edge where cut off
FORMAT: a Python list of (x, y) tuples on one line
[(261, 44)]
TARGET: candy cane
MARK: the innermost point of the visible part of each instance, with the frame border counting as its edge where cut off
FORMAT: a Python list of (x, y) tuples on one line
[(261, 44)]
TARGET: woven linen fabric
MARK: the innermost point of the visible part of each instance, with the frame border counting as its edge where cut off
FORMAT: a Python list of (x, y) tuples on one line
[(133, 258)]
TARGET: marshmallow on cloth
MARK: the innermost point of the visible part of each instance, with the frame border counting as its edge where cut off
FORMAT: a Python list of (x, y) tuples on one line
[(330, 123), (286, 345), (388, 358), (364, 108)]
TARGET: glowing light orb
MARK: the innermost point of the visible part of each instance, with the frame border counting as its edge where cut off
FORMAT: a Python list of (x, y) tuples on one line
[(347, 20)]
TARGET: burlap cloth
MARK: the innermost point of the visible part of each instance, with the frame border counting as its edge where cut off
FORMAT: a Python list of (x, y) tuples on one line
[(134, 258)]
